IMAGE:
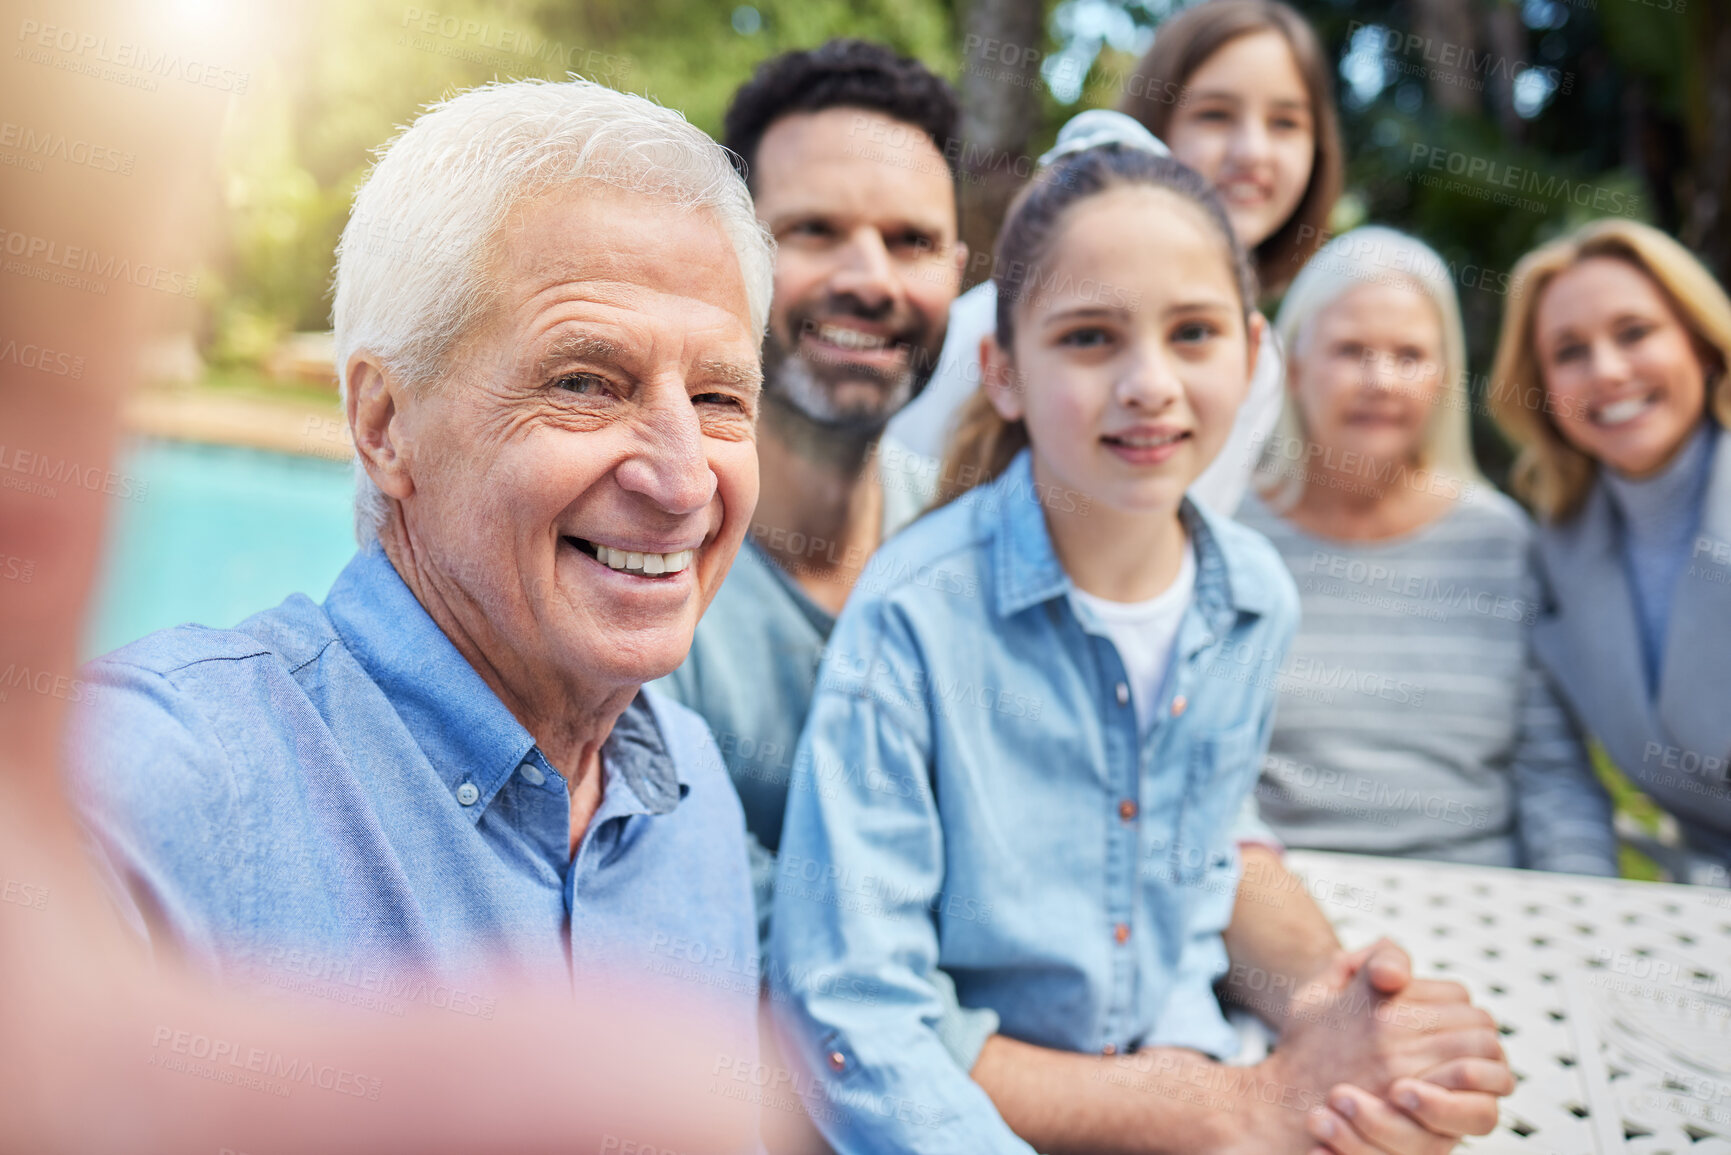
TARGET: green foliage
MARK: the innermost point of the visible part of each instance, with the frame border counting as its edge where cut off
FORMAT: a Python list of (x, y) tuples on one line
[(302, 140), (692, 57), (359, 69)]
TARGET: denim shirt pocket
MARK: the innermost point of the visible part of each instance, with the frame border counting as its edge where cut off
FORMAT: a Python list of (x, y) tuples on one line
[(1221, 769)]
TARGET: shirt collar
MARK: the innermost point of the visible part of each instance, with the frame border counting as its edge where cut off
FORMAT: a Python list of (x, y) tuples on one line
[(636, 754), (1025, 567), (467, 734), (1026, 571)]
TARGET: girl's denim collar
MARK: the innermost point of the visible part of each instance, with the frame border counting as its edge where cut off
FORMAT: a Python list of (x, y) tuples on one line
[(1026, 571)]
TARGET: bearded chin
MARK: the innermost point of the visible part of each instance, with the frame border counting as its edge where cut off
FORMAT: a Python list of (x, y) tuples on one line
[(804, 388)]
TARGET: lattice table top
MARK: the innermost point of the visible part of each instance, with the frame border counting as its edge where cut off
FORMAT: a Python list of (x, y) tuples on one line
[(1614, 997)]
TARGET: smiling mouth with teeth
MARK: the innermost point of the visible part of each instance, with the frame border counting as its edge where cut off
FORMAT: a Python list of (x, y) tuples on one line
[(641, 564), (1145, 442), (1619, 412), (850, 338), (853, 340)]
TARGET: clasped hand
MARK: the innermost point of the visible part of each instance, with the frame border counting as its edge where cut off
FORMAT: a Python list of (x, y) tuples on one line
[(1401, 1066)]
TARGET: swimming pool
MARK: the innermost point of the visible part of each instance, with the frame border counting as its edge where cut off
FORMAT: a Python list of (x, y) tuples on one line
[(216, 534)]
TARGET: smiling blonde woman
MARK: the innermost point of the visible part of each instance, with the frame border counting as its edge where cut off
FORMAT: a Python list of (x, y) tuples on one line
[(1611, 378)]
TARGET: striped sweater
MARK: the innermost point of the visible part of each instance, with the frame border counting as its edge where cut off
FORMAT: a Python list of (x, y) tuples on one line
[(1413, 718)]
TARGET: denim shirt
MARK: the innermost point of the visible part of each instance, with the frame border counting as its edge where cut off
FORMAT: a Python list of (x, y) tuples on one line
[(970, 793), (329, 799), (754, 659)]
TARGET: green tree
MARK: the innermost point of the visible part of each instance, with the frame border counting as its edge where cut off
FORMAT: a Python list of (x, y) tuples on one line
[(351, 73)]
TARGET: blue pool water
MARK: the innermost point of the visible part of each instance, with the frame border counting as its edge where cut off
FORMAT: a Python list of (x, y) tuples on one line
[(219, 533)]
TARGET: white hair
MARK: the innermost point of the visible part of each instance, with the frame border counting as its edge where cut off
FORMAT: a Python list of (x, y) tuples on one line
[(1375, 255), (413, 264)]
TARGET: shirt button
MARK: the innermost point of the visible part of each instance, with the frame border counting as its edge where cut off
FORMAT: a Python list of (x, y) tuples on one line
[(1121, 932), (1123, 693), (837, 1061), (467, 794), (1179, 704), (532, 774), (1127, 809), (1109, 1049)]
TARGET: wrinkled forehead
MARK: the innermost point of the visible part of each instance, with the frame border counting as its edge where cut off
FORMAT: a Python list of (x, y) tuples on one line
[(609, 251), (613, 231), (596, 265)]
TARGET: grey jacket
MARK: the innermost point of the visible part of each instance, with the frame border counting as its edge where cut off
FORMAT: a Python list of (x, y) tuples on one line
[(1676, 744)]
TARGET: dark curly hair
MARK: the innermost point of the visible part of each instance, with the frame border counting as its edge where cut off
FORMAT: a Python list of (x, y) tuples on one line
[(842, 73)]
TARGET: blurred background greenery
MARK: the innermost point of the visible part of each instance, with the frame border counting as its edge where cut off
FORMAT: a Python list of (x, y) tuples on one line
[(1630, 99), (357, 70)]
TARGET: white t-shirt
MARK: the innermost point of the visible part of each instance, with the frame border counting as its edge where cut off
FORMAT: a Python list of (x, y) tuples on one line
[(924, 426), (1144, 633)]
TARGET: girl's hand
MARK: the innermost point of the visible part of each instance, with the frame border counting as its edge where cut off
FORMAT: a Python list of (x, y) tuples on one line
[(1424, 1113), (1428, 1114)]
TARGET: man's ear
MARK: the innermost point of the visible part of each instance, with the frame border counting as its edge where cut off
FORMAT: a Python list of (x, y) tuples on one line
[(961, 260), (998, 378), (375, 410)]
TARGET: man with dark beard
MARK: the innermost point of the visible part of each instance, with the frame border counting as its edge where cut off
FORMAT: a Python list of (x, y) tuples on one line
[(845, 150)]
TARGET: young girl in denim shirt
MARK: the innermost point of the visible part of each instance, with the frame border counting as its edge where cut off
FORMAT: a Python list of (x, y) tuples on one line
[(1044, 705)]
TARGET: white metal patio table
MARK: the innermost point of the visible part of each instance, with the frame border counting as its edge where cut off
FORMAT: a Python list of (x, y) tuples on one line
[(1614, 997)]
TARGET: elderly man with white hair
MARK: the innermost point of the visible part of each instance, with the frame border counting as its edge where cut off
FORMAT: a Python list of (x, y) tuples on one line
[(548, 306)]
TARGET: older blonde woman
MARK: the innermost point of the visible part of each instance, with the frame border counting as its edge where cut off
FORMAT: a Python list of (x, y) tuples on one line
[(1610, 376), (1414, 718)]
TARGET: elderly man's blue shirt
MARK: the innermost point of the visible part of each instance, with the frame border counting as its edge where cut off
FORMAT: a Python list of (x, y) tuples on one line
[(331, 798)]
